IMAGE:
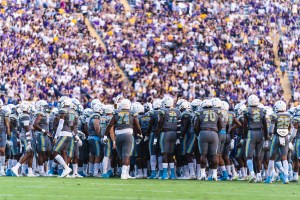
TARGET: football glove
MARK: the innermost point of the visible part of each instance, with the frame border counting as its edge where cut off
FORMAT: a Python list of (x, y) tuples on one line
[(155, 141), (28, 147), (146, 138), (231, 144), (105, 140), (177, 142)]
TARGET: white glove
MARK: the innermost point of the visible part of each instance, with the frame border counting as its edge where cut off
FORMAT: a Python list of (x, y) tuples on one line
[(79, 142), (146, 138), (231, 144), (291, 146), (105, 139), (155, 141), (177, 142), (9, 143), (29, 147), (266, 144)]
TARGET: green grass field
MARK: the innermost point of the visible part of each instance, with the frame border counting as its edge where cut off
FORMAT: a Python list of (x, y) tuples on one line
[(23, 188)]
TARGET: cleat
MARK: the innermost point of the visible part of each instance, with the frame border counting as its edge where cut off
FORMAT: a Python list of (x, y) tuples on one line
[(97, 175), (124, 176), (76, 176), (82, 174), (50, 172), (252, 179), (43, 174), (160, 174), (8, 172), (31, 175), (14, 170), (60, 171), (105, 175), (139, 176), (66, 172), (285, 179), (164, 177), (268, 180), (153, 175), (130, 177), (69, 176), (258, 180), (212, 178)]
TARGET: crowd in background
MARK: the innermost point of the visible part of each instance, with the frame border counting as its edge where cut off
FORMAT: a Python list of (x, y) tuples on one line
[(193, 49)]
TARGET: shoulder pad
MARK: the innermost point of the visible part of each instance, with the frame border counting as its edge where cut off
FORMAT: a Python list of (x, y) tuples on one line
[(296, 120), (150, 113), (24, 117), (62, 111), (185, 114), (135, 114), (197, 113), (273, 117), (95, 116), (161, 112), (245, 112), (40, 113)]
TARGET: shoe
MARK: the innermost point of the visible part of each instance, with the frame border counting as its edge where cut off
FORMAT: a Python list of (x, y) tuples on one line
[(258, 180), (60, 172), (268, 180), (172, 176), (76, 176), (14, 170), (130, 177), (285, 179), (160, 174), (153, 175), (43, 174), (224, 176), (212, 178), (106, 175), (31, 175), (50, 172), (124, 176), (294, 180), (110, 173), (164, 177), (82, 174), (202, 178), (139, 176), (281, 176), (252, 179), (8, 172), (66, 172)]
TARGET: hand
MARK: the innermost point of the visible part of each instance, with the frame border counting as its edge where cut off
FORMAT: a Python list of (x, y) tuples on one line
[(146, 138), (177, 142), (79, 142), (114, 145), (155, 141), (266, 144), (105, 140), (291, 146), (48, 134), (231, 144), (28, 147)]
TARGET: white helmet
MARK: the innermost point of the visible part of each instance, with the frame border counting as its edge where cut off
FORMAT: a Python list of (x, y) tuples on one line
[(280, 106), (75, 101), (94, 102), (108, 109), (80, 108), (157, 104), (297, 111), (147, 107), (179, 102), (61, 99), (54, 111), (118, 99), (125, 104), (66, 103), (225, 105), (216, 102), (1, 104), (141, 109), (253, 100), (168, 102), (184, 105), (13, 108), (7, 109), (135, 107), (241, 109), (268, 110), (97, 108), (87, 112), (196, 103), (206, 103), (260, 105), (25, 107), (40, 105)]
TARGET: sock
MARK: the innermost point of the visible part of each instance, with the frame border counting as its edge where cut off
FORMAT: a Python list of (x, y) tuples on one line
[(233, 171), (296, 176), (34, 163), (266, 173), (172, 165), (186, 170), (109, 164), (85, 166), (153, 162), (285, 167), (91, 168), (160, 164), (290, 170), (195, 164), (198, 170), (101, 167), (124, 169), (18, 165), (41, 169), (145, 170), (203, 174), (14, 162), (9, 164), (240, 173), (223, 168), (165, 167), (2, 160), (61, 161), (60, 167), (214, 173), (140, 172), (279, 166), (96, 168), (75, 168), (228, 168), (80, 169), (24, 167), (29, 170), (259, 175), (250, 167), (244, 171), (271, 167), (192, 170), (50, 164), (119, 169), (105, 164)]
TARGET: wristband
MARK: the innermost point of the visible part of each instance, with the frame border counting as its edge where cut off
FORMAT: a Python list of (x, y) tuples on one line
[(43, 130)]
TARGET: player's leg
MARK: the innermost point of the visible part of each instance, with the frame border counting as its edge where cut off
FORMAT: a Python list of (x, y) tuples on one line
[(250, 147), (203, 148), (284, 148), (2, 152), (106, 159), (190, 155), (97, 158), (221, 163), (60, 148), (274, 148), (257, 155), (212, 153), (172, 136), (153, 156)]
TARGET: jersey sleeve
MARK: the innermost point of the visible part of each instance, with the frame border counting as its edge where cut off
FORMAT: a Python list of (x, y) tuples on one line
[(62, 111), (273, 117)]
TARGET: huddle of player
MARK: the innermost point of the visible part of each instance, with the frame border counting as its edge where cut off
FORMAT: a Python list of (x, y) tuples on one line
[(201, 140)]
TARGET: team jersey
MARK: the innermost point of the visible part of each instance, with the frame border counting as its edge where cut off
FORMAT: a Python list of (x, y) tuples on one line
[(24, 120), (187, 116), (3, 115), (296, 120), (282, 123), (44, 123), (14, 125), (104, 121), (91, 127), (124, 119), (144, 120), (209, 119), (70, 119), (153, 114), (171, 118), (255, 117), (225, 119)]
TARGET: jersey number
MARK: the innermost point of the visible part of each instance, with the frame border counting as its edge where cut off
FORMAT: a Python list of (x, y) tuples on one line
[(256, 115), (209, 116), (172, 117), (123, 118), (283, 123)]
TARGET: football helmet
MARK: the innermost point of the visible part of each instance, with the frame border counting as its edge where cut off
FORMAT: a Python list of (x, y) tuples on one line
[(225, 105), (216, 102), (280, 106), (206, 103), (125, 104), (157, 104), (253, 100)]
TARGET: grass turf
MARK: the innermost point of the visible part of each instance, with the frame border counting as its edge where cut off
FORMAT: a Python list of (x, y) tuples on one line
[(90, 188)]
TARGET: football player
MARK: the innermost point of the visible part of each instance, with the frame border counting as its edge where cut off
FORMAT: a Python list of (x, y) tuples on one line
[(295, 133), (255, 127), (4, 132), (280, 126)]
